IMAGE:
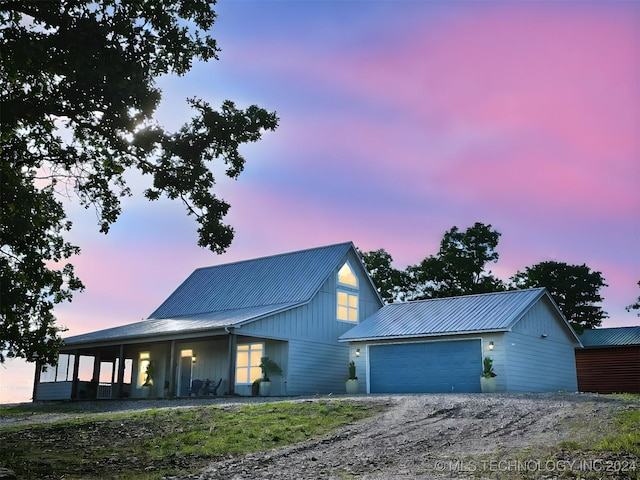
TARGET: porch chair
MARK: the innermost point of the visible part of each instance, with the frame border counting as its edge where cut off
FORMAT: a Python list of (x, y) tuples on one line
[(214, 390), (196, 385)]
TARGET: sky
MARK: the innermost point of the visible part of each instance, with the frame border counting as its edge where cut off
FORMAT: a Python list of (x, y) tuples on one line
[(399, 119)]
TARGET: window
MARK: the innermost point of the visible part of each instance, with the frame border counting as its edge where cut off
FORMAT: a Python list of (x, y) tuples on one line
[(248, 362), (62, 372), (347, 306), (347, 277), (143, 363)]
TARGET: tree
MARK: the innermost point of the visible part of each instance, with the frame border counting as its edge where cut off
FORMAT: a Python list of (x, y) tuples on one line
[(78, 97), (574, 288), (459, 268), (390, 282), (636, 305)]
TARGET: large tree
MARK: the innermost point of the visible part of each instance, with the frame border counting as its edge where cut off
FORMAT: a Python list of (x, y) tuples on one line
[(459, 267), (78, 87), (574, 288), (391, 283)]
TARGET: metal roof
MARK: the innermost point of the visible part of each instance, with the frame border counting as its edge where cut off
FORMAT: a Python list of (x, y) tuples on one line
[(445, 316), (169, 326), (286, 278), (611, 337), (232, 294)]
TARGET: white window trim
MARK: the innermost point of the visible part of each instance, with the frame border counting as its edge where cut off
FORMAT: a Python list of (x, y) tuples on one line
[(249, 367), (348, 293)]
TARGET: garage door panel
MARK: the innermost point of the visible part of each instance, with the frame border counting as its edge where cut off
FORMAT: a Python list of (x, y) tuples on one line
[(428, 367)]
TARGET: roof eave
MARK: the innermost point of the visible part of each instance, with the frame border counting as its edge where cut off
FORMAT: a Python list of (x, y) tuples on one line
[(424, 335)]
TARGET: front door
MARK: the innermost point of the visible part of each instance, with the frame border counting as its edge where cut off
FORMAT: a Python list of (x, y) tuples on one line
[(185, 376)]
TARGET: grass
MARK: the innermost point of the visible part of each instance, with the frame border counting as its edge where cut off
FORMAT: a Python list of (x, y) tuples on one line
[(626, 437), (156, 443)]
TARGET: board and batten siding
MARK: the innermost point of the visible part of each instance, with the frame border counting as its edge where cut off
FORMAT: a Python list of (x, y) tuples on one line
[(540, 352), (317, 362), (317, 368)]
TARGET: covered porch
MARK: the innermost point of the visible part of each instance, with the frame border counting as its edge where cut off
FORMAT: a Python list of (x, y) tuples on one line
[(220, 363)]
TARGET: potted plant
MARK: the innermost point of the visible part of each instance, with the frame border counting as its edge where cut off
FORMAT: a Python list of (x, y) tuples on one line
[(488, 377), (268, 367), (351, 384)]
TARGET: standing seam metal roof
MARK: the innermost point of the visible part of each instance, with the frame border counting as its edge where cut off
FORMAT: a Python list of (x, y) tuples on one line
[(453, 315), (286, 278)]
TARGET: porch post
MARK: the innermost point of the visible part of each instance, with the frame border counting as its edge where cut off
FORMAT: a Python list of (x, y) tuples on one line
[(76, 369), (120, 382), (172, 369), (232, 360), (95, 377)]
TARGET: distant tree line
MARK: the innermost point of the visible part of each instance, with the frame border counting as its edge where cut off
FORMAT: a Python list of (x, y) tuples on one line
[(461, 268)]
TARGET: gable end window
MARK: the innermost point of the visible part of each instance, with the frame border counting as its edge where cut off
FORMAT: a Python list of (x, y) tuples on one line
[(347, 294), (347, 277)]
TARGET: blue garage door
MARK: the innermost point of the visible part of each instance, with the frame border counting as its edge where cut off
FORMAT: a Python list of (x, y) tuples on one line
[(430, 367)]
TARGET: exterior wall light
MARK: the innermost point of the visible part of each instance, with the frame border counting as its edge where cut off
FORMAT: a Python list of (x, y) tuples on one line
[(357, 352), (194, 359), (490, 345)]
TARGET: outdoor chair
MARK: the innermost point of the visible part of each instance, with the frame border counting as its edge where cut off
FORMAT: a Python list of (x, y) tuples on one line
[(196, 386)]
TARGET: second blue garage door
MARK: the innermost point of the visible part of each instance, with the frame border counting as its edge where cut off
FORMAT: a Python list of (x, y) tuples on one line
[(429, 367)]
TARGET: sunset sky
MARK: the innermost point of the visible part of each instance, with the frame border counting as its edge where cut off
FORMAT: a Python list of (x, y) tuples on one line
[(399, 120)]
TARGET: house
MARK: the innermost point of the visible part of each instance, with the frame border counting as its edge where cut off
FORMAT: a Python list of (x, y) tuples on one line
[(219, 323), (438, 345), (610, 360)]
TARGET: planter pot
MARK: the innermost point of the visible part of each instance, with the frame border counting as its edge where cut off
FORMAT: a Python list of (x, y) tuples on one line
[(147, 391), (265, 389), (488, 384), (351, 386)]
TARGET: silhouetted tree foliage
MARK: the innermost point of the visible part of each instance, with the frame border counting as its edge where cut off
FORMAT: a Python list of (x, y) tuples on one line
[(459, 267), (636, 305), (574, 288), (78, 97), (392, 284)]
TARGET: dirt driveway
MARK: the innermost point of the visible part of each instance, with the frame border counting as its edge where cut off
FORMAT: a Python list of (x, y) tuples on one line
[(453, 436), (505, 436)]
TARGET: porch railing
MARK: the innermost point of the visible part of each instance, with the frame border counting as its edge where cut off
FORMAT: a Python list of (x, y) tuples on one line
[(104, 390)]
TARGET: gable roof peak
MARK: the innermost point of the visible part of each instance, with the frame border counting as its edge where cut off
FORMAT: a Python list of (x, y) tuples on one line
[(291, 278)]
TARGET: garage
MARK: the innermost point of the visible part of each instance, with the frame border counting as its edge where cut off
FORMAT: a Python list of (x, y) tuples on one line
[(426, 367)]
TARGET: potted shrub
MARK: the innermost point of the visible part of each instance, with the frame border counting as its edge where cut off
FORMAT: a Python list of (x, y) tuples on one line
[(351, 383), (488, 377), (268, 367), (147, 386)]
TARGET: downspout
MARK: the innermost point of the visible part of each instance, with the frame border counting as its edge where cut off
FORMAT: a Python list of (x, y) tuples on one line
[(232, 359)]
